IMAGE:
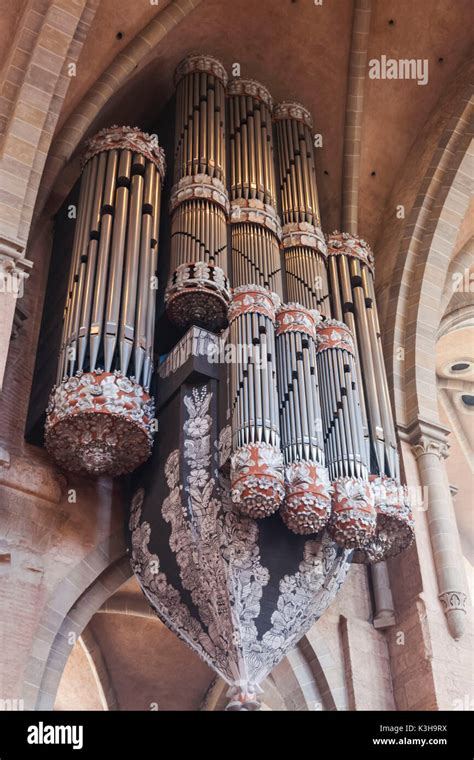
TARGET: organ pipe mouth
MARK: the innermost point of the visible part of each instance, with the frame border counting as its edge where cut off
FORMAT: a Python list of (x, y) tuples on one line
[(201, 63)]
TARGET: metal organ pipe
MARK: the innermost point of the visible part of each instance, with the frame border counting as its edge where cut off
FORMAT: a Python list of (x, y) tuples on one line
[(198, 288), (307, 506), (100, 412), (351, 265), (353, 518), (255, 227), (303, 241), (257, 478)]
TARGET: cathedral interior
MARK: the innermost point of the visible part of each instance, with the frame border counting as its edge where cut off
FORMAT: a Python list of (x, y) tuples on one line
[(178, 177)]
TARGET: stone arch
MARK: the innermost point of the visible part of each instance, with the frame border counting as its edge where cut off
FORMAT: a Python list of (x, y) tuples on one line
[(97, 664), (421, 259), (459, 265), (69, 609), (107, 85), (33, 90)]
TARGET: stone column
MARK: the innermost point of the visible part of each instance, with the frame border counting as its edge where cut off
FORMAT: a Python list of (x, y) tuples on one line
[(384, 610), (430, 448), (14, 270)]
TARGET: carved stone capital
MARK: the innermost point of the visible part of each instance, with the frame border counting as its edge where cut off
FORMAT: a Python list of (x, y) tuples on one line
[(427, 445), (454, 607), (426, 437), (453, 600), (13, 261)]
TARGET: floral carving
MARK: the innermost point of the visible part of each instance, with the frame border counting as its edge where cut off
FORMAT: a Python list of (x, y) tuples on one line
[(200, 62), (295, 318), (395, 529), (257, 479), (126, 138), (200, 187), (343, 243), (198, 292), (353, 518), (99, 422), (252, 88), (307, 506), (218, 555), (334, 334), (247, 299), (293, 111)]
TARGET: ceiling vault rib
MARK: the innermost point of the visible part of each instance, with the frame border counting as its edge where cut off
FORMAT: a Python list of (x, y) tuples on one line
[(107, 84), (100, 672), (353, 115)]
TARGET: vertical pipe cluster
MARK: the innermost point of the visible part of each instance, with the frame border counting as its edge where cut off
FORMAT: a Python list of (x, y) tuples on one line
[(106, 356), (257, 464), (353, 297), (303, 241), (353, 514), (198, 289), (307, 505), (255, 228), (351, 275)]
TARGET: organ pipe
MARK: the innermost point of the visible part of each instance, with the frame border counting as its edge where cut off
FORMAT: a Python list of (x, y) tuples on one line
[(353, 518), (351, 267), (303, 241), (307, 507), (198, 288), (255, 227), (257, 463), (100, 412)]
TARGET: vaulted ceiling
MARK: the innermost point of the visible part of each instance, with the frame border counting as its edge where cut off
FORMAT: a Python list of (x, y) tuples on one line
[(300, 50)]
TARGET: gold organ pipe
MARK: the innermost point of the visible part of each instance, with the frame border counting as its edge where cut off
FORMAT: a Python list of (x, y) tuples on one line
[(79, 277), (62, 362), (112, 308), (89, 282), (97, 317), (211, 109), (144, 275), (111, 299)]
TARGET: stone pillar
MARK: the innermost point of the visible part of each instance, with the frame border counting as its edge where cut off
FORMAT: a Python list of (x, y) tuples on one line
[(384, 611), (14, 270), (430, 448)]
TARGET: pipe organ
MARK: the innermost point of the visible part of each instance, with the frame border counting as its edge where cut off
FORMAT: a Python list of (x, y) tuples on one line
[(312, 432), (99, 418)]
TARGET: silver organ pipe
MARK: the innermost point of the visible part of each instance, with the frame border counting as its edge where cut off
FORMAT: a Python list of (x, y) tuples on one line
[(353, 518), (100, 412), (351, 266), (312, 428), (255, 228), (307, 506), (198, 288), (257, 478), (303, 241)]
